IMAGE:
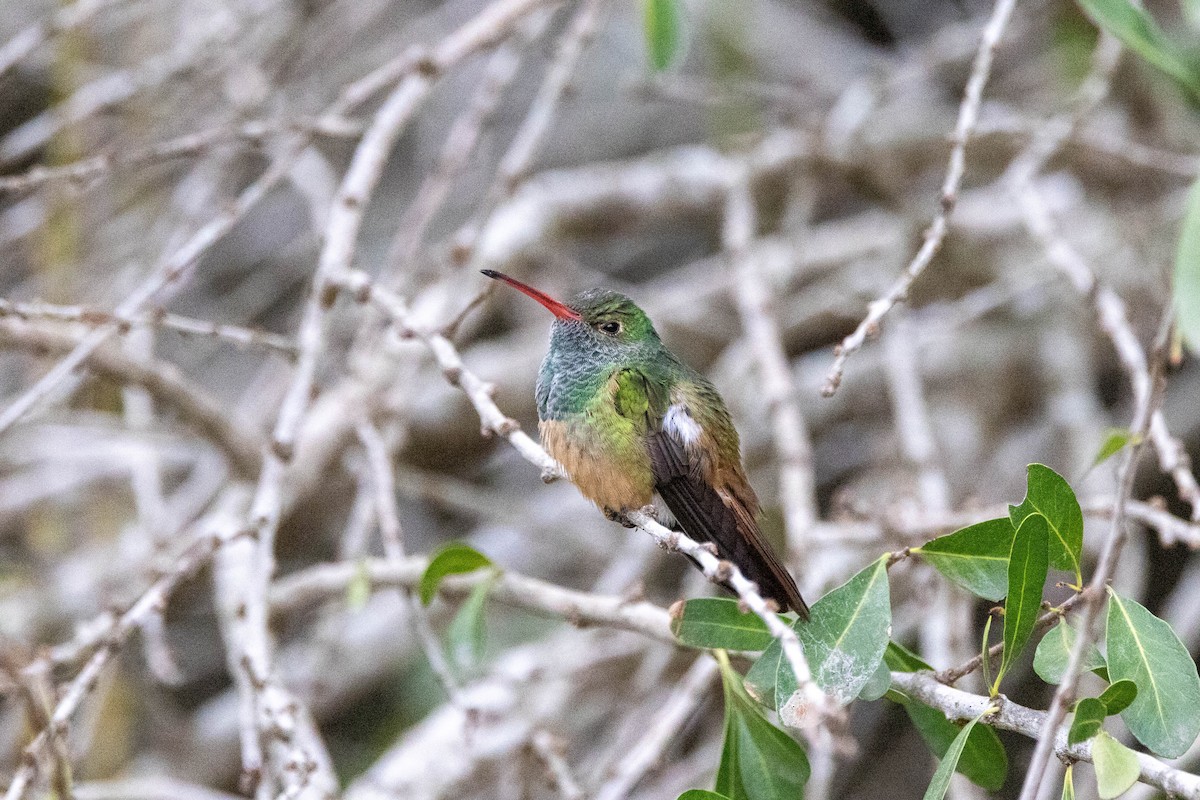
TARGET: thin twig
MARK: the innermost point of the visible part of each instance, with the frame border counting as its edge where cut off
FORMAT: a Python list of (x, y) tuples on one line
[(968, 114), (797, 483), (959, 705), (163, 380), (668, 719), (242, 337)]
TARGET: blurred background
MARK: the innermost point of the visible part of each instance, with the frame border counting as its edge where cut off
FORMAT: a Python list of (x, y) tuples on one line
[(169, 177)]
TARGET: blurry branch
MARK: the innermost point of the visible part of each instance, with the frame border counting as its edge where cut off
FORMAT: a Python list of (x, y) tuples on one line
[(959, 705), (461, 142), (65, 19), (162, 380), (35, 693), (1108, 306), (1098, 139), (681, 182), (151, 602), (187, 53), (668, 720), (83, 315), (383, 488), (298, 591), (495, 422), (176, 268), (193, 144), (148, 788), (267, 709), (968, 114), (340, 237), (549, 750), (518, 159), (816, 710), (797, 483)]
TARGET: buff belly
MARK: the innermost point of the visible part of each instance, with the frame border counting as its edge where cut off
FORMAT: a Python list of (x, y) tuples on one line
[(611, 468)]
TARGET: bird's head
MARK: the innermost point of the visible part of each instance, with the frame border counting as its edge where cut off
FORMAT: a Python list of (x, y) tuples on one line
[(598, 319)]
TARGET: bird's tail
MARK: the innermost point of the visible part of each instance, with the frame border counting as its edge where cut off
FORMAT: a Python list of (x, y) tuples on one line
[(709, 515)]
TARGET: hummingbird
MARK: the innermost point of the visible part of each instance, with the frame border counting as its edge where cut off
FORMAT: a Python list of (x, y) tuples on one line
[(627, 419)]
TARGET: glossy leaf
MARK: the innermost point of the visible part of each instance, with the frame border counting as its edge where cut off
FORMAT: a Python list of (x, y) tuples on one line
[(983, 761), (945, 771), (758, 761), (1138, 31), (1187, 273), (1027, 567), (772, 764), (901, 659), (760, 679), (701, 794), (1054, 652), (975, 557), (1116, 766), (844, 638), (716, 622), (879, 683), (1165, 715), (453, 559), (1119, 696), (1089, 719), (663, 21), (467, 633), (1049, 494)]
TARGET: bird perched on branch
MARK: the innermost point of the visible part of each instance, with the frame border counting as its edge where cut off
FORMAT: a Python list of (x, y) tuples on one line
[(626, 419)]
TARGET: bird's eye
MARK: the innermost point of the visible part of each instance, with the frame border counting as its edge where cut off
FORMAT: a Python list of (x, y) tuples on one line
[(611, 328)]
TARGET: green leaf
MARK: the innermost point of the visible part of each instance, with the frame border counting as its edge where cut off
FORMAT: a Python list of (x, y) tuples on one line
[(467, 633), (453, 559), (1054, 652), (1119, 696), (1187, 272), (1115, 440), (758, 761), (358, 590), (901, 659), (716, 622), (1089, 719), (879, 683), (1116, 766), (1027, 568), (1050, 495), (772, 764), (945, 771), (701, 794), (663, 20), (1068, 783), (844, 638), (1165, 715), (976, 557), (1138, 31), (760, 680), (983, 761)]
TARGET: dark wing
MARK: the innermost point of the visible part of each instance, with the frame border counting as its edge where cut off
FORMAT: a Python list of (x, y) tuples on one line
[(709, 511)]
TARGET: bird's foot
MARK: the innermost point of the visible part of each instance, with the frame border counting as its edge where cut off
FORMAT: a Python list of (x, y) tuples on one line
[(618, 516)]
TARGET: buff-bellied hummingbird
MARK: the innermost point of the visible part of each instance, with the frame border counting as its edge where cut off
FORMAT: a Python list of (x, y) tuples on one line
[(627, 419)]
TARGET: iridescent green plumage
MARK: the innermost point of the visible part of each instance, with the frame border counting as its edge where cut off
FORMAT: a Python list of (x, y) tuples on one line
[(627, 419)]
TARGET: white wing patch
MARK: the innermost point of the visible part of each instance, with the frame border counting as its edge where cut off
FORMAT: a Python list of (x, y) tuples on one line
[(680, 425)]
